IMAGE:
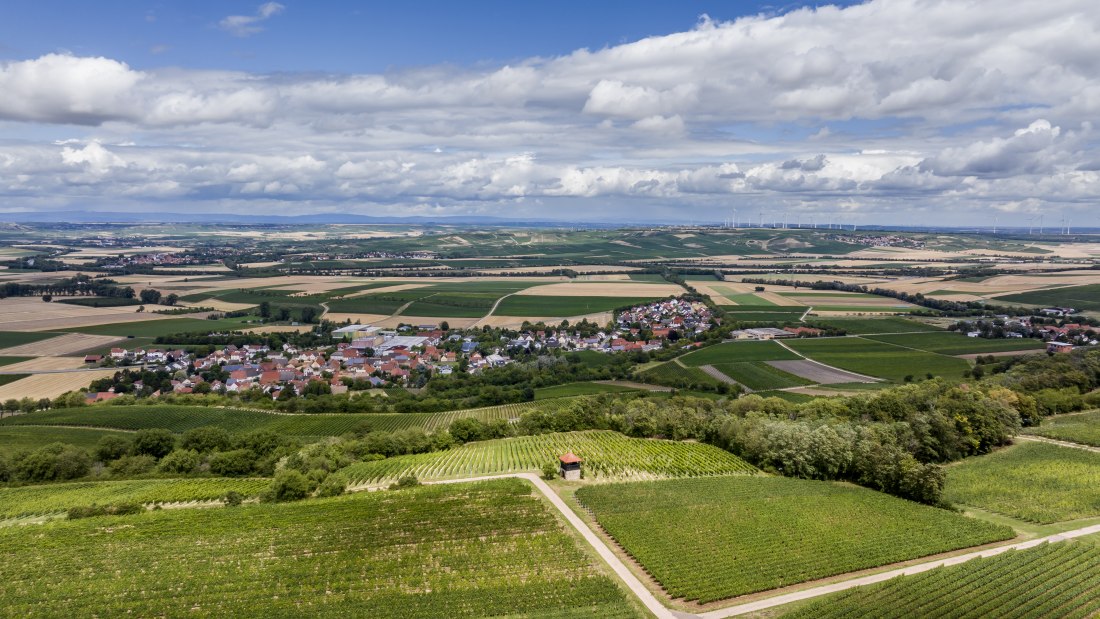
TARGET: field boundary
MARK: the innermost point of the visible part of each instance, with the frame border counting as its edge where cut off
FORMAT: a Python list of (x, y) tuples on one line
[(1059, 443)]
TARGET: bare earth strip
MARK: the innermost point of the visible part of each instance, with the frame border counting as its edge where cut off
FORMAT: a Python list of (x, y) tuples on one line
[(59, 346), (717, 374), (44, 364), (50, 385), (819, 372)]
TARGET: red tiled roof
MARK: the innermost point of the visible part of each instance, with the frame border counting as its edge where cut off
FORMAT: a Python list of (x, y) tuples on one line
[(570, 458)]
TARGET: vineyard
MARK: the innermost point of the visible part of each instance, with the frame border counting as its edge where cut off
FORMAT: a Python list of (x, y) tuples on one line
[(1032, 481), (29, 438), (606, 455), (674, 375), (464, 550), (179, 419), (1053, 580), (1076, 428), (759, 376), (52, 498), (709, 539)]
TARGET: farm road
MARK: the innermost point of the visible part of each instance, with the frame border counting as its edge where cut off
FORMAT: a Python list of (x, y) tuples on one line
[(491, 310), (1067, 444), (717, 374)]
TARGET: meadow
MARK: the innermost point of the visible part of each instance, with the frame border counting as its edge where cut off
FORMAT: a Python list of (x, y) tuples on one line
[(1052, 580), (738, 352), (1032, 481), (1081, 428), (759, 376), (878, 359), (606, 455), (772, 531), (461, 550), (52, 498), (954, 343)]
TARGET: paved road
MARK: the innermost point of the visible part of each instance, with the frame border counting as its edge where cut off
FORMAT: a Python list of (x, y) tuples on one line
[(621, 570)]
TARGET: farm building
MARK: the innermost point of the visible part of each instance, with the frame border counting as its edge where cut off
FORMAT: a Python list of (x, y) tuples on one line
[(570, 467)]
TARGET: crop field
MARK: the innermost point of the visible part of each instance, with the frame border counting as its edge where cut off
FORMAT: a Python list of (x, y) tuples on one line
[(51, 498), (606, 455), (1052, 580), (759, 376), (1032, 481), (17, 338), (1077, 297), (675, 375), (952, 343), (536, 305), (5, 361), (16, 438), (870, 326), (1081, 428), (738, 352), (709, 539), (878, 359), (167, 326), (180, 418), (462, 550), (38, 386), (59, 344)]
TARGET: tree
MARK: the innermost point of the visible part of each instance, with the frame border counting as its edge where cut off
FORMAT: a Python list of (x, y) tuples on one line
[(171, 299), (156, 442), (233, 463), (180, 461), (111, 448), (288, 485), (446, 326), (265, 309), (150, 296), (309, 314), (47, 298), (140, 309), (206, 438)]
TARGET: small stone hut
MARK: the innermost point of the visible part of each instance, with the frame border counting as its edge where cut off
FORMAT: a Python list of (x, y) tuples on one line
[(570, 467)]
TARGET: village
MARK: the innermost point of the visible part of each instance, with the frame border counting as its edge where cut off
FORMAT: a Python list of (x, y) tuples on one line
[(367, 356)]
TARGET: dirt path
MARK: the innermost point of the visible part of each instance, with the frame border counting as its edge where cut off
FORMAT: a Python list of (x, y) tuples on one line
[(1051, 441), (612, 560), (717, 374), (491, 310)]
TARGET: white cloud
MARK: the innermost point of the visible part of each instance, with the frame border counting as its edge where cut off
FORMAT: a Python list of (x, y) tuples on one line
[(248, 25)]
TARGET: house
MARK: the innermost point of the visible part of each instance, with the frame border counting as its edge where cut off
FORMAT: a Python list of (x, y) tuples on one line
[(570, 467), (1059, 347), (93, 358)]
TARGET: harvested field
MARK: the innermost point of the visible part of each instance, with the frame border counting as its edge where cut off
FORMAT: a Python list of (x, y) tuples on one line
[(603, 289), (366, 319), (50, 385), (819, 372), (514, 322), (393, 321), (45, 364), (58, 346), (31, 314)]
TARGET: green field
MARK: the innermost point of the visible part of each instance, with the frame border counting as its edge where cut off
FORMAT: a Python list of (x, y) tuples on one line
[(744, 298), (100, 301), (1052, 580), (869, 326), (575, 389), (180, 418), (16, 438), (1031, 481), (759, 376), (709, 539), (18, 338), (10, 360), (737, 312), (11, 378), (462, 550), (52, 498), (531, 305), (738, 352), (952, 343), (673, 374), (1077, 297), (878, 359), (167, 326), (606, 454), (1076, 428)]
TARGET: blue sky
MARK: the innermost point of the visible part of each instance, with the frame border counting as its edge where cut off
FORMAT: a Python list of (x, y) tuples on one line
[(888, 111)]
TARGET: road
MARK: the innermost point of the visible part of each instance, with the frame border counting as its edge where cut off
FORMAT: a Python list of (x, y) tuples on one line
[(491, 310), (1051, 441)]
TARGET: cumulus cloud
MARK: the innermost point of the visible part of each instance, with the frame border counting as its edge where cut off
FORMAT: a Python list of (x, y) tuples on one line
[(248, 25), (939, 100)]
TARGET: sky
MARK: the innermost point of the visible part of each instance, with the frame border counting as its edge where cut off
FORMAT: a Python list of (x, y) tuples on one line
[(902, 112)]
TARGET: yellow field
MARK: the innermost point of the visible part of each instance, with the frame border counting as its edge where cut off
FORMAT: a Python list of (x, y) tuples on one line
[(50, 385), (45, 364), (603, 289)]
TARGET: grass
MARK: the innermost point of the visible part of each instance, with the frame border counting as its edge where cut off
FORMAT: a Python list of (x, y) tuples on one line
[(464, 550), (531, 305), (575, 389), (1031, 481), (738, 352), (16, 438), (1052, 580), (1077, 297), (714, 538), (606, 454), (1076, 428), (870, 326), (878, 359), (18, 338), (759, 376), (53, 498), (953, 343), (156, 328)]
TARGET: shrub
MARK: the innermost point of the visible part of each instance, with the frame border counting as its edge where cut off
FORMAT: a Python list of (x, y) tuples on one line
[(181, 461), (232, 498), (288, 485), (233, 463), (156, 442), (331, 486), (205, 439), (408, 481), (54, 462), (120, 509), (549, 471), (132, 465)]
